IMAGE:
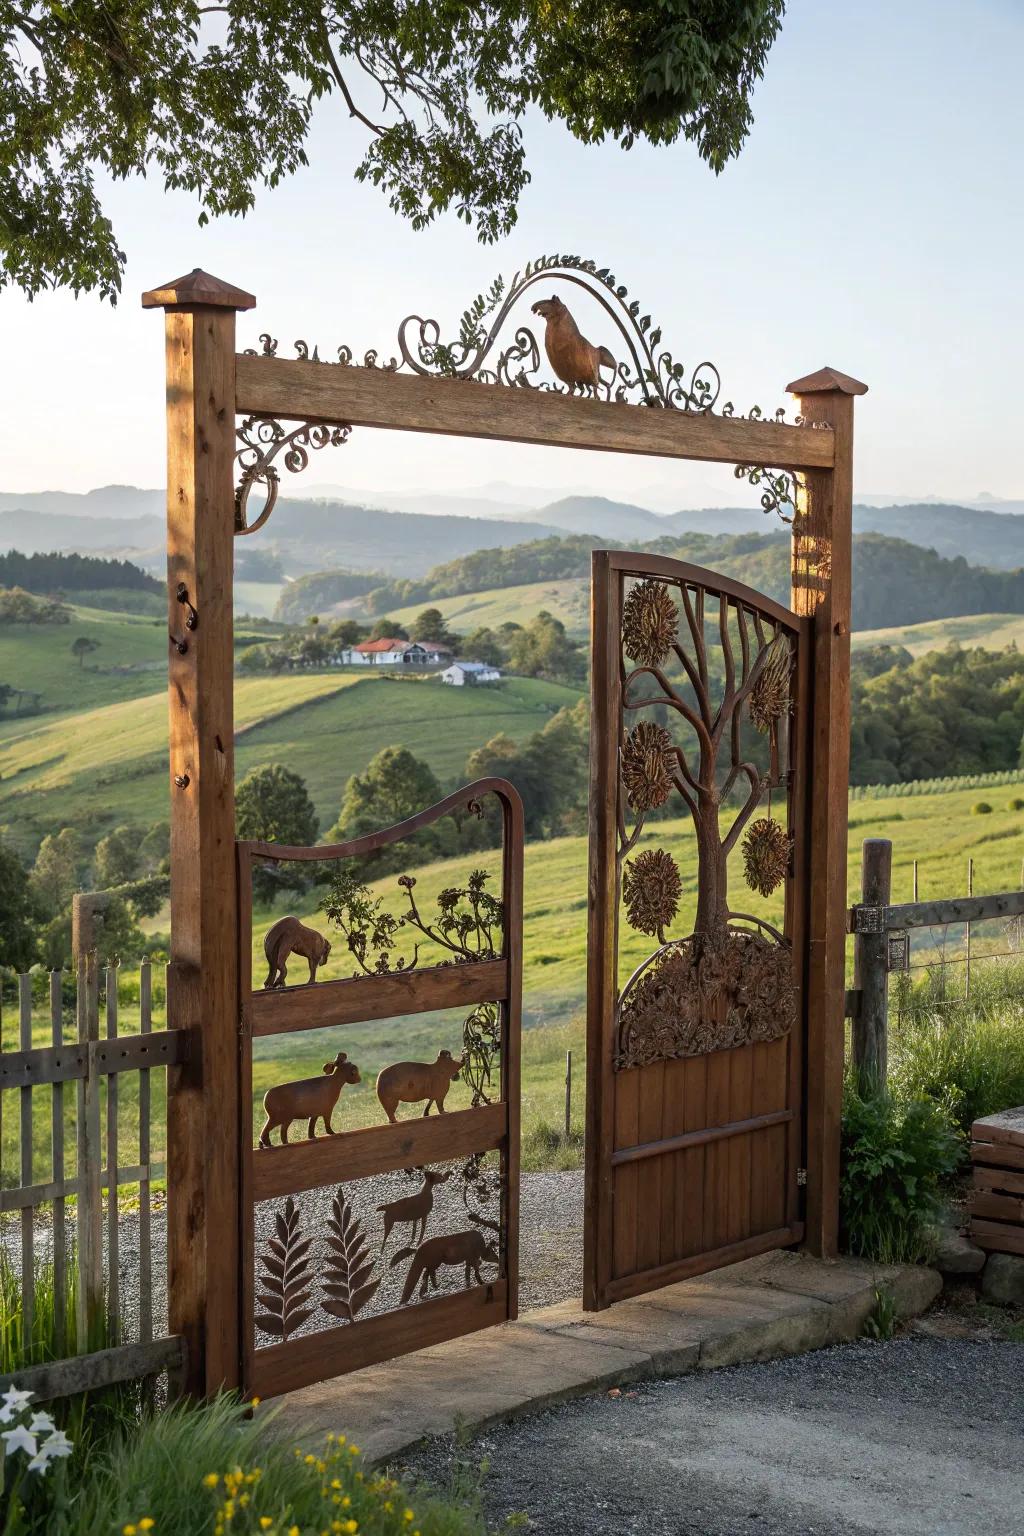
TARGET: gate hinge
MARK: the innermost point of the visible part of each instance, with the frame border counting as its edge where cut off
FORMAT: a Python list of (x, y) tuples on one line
[(801, 1178)]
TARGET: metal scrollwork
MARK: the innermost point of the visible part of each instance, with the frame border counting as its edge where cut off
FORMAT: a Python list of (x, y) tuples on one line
[(779, 488), (265, 439)]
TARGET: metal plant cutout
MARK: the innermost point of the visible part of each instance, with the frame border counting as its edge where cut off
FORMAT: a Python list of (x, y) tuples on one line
[(707, 674), (467, 927)]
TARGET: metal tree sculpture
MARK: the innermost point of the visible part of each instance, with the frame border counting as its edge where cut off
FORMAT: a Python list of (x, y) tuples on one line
[(724, 984)]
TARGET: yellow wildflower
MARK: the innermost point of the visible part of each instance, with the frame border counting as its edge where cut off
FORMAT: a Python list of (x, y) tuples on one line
[(129, 1530), (265, 1522), (408, 1515), (211, 1480), (146, 1524)]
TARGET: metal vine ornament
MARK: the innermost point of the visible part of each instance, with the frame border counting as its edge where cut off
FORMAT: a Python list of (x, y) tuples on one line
[(711, 666), (636, 369)]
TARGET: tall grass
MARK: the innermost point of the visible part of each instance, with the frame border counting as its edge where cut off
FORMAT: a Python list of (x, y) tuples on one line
[(54, 1331), (965, 1054)]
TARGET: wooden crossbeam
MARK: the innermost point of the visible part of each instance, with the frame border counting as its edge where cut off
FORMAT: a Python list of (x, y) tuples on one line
[(374, 397)]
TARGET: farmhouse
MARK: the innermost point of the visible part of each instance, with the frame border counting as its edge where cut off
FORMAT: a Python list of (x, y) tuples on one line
[(461, 673), (396, 653)]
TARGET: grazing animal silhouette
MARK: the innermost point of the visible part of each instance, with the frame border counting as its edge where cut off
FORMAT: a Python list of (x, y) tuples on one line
[(413, 1208), (290, 937), (409, 1082), (469, 1248), (576, 360), (311, 1098)]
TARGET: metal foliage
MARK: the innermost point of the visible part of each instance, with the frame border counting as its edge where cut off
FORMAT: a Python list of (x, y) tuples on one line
[(779, 488), (263, 440), (766, 850), (286, 1280), (481, 1049), (710, 992), (348, 1266), (467, 926)]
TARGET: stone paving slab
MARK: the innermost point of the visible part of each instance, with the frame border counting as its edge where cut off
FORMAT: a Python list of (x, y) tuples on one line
[(776, 1305)]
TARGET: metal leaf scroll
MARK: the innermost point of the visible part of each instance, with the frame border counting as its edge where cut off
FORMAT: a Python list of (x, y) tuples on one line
[(286, 1280), (263, 440), (347, 1285), (481, 1046), (468, 925)]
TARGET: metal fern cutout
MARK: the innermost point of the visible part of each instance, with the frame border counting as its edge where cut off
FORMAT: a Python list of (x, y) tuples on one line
[(286, 1279), (348, 1265)]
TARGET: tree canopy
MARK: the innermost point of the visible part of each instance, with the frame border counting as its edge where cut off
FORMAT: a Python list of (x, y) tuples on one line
[(218, 100)]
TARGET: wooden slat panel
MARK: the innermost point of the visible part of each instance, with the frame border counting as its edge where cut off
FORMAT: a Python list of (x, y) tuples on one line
[(1007, 1126), (373, 397), (335, 1351), (279, 1171), (741, 1086), (649, 1128), (626, 1180), (691, 1217), (996, 1237), (701, 1263), (672, 1117), (716, 1157), (363, 998)]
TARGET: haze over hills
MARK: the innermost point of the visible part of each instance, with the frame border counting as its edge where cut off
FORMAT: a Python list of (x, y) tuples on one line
[(311, 534)]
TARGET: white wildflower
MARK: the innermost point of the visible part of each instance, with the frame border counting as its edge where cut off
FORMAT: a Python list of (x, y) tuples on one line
[(41, 1424), (20, 1438), (13, 1402)]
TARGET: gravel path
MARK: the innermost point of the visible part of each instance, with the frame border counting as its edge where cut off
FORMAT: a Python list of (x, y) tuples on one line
[(914, 1437), (550, 1244)]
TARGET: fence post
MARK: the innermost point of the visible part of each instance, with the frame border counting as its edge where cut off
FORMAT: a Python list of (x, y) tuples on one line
[(86, 909), (568, 1094), (871, 969)]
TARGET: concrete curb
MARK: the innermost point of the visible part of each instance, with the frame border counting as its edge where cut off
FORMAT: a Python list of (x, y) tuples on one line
[(776, 1305)]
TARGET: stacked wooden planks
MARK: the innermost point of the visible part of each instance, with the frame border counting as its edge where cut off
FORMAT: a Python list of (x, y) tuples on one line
[(997, 1200)]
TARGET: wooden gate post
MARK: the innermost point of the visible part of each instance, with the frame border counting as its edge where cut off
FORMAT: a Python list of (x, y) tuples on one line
[(203, 1201), (821, 575)]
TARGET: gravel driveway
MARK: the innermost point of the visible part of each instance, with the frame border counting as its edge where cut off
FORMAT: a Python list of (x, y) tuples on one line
[(914, 1437), (550, 1245)]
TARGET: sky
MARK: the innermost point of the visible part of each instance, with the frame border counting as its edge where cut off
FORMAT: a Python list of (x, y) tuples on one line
[(874, 222)]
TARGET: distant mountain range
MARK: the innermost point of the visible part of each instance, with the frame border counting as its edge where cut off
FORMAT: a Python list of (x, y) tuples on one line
[(318, 535)]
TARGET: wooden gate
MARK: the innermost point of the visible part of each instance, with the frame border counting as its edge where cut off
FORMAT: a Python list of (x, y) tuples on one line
[(398, 1228), (696, 1005)]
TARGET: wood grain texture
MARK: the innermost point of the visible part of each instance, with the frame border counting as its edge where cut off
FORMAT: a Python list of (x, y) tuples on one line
[(999, 1179), (996, 1236), (621, 1289), (336, 1351), (373, 397), (329, 1003), (278, 1171), (821, 573), (700, 1138), (202, 1106)]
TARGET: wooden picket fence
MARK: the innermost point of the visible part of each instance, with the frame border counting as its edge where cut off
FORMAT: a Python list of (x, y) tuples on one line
[(68, 1160)]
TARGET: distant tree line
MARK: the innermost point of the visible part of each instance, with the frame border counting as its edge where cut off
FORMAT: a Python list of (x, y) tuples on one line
[(52, 574)]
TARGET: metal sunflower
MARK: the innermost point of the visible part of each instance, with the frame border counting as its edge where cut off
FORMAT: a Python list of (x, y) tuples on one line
[(651, 888), (765, 855), (770, 696), (647, 766), (650, 623)]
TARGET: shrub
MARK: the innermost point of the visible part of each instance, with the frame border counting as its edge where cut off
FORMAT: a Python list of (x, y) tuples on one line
[(981, 808), (1016, 804), (967, 1058), (895, 1156)]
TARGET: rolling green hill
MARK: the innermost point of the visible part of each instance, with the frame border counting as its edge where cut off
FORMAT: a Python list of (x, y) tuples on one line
[(108, 765), (993, 631), (567, 600)]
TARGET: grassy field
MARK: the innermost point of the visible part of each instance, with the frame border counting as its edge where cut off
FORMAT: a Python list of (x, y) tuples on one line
[(108, 765), (568, 600), (993, 631)]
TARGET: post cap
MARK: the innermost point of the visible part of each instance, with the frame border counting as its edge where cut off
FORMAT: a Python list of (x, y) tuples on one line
[(198, 287), (827, 381)]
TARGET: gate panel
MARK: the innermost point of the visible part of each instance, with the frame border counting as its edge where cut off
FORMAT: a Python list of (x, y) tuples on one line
[(401, 1230), (695, 1013)]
